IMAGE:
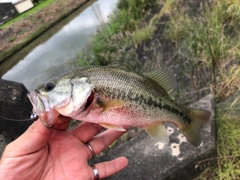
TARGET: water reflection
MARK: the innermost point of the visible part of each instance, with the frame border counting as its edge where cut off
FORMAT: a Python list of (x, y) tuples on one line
[(56, 54)]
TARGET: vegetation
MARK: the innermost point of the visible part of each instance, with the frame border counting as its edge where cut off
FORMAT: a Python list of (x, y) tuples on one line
[(208, 38), (228, 145), (203, 39), (228, 166), (114, 40)]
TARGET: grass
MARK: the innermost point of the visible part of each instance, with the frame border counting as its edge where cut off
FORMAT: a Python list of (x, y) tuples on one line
[(205, 41), (209, 39), (143, 34), (228, 123), (22, 43), (114, 42), (36, 7), (228, 145)]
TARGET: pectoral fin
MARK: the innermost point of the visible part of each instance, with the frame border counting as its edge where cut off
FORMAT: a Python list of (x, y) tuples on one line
[(112, 126), (111, 104), (158, 132)]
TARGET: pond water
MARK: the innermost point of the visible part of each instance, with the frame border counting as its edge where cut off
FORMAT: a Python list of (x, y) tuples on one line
[(56, 51)]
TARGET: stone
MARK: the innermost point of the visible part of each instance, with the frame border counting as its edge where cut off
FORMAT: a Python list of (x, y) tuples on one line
[(152, 160), (14, 104), (2, 144)]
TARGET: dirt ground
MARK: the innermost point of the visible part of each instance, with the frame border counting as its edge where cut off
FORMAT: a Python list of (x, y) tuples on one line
[(16, 34)]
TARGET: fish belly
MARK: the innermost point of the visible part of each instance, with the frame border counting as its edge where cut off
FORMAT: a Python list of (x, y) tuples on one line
[(126, 117)]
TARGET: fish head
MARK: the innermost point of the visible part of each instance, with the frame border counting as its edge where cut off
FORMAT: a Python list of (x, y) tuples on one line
[(65, 95)]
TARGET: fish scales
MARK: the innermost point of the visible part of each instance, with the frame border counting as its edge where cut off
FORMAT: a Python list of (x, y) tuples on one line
[(116, 98), (114, 83)]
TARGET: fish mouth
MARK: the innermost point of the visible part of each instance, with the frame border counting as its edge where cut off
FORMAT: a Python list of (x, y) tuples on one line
[(48, 118), (37, 103), (32, 98)]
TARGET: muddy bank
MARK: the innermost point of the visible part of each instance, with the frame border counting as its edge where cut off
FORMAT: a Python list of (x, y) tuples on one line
[(16, 35)]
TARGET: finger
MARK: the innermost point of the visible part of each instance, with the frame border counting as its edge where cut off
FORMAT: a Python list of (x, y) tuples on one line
[(85, 131), (109, 168), (33, 139), (103, 140), (62, 123)]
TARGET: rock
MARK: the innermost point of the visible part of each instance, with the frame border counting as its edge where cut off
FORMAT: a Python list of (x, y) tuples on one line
[(2, 144), (14, 104), (152, 160)]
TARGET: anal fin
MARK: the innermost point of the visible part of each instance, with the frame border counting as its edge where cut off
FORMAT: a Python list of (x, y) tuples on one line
[(158, 132), (112, 126)]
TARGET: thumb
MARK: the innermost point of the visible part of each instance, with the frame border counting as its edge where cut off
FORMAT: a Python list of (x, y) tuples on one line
[(32, 140)]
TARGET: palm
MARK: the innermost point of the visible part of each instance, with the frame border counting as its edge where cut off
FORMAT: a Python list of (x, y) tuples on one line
[(67, 157), (63, 156)]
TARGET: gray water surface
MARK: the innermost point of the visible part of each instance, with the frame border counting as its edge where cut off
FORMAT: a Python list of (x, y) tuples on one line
[(58, 54)]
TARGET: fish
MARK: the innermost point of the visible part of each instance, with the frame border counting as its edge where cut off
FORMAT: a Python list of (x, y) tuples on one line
[(117, 98)]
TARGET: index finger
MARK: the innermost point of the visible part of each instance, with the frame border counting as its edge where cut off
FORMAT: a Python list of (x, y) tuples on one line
[(85, 131), (32, 140), (62, 123)]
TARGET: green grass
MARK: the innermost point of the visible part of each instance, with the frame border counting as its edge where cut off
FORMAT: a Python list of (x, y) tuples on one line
[(143, 34), (205, 35), (25, 41), (209, 39), (114, 43), (228, 131), (36, 8), (228, 145)]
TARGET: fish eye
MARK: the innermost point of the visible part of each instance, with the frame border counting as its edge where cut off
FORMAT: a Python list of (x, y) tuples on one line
[(49, 86)]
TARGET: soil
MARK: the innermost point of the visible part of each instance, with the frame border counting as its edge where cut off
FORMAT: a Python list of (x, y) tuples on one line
[(17, 34)]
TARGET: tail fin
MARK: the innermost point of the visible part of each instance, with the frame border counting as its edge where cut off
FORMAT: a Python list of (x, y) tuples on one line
[(193, 130)]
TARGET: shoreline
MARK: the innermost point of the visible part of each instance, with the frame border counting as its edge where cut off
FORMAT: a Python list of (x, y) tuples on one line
[(24, 31)]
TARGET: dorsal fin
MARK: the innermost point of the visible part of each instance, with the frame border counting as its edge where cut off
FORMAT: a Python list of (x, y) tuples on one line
[(164, 78), (121, 67)]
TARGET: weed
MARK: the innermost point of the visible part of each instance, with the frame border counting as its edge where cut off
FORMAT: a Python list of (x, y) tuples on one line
[(11, 39), (115, 42), (143, 34), (228, 146), (209, 41), (227, 143)]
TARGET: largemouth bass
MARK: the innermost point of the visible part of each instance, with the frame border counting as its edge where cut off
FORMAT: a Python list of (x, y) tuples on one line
[(118, 99)]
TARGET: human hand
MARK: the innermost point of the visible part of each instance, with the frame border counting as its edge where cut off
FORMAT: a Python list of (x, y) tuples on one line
[(55, 153)]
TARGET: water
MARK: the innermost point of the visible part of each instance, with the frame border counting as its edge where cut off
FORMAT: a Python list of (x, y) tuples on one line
[(58, 53)]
